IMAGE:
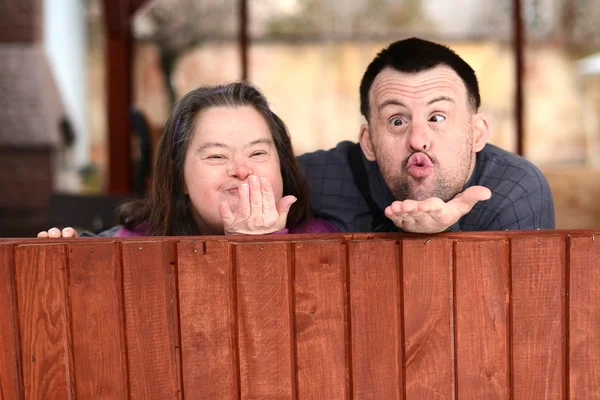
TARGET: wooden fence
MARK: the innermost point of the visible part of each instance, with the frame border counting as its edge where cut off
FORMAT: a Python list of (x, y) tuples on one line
[(469, 316)]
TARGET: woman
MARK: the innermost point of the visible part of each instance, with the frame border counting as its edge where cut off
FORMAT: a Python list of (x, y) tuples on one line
[(224, 165)]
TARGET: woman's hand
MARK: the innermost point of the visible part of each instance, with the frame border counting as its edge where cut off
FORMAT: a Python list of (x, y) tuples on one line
[(257, 213), (55, 233)]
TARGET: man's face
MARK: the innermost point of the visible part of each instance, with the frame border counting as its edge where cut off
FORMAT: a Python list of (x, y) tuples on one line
[(421, 133)]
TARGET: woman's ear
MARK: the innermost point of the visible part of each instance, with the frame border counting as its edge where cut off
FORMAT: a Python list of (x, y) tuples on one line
[(365, 142), (481, 132)]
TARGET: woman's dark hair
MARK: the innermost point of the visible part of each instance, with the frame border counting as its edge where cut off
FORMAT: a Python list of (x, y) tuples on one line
[(167, 208), (415, 55)]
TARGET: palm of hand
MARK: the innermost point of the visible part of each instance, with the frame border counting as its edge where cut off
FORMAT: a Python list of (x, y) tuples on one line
[(434, 215), (257, 212)]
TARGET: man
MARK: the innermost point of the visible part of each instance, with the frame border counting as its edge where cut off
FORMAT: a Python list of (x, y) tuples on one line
[(422, 163)]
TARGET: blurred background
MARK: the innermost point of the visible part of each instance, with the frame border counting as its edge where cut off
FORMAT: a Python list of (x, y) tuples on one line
[(86, 86)]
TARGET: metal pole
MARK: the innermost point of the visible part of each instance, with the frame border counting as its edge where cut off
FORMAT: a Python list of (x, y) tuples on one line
[(243, 37), (518, 47)]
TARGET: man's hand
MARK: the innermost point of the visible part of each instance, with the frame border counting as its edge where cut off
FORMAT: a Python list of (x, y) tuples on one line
[(434, 215), (257, 212)]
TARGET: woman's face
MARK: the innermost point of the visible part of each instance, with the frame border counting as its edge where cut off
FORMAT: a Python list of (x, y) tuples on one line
[(229, 145)]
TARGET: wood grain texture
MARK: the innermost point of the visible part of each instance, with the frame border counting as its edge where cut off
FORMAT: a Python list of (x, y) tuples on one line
[(538, 287), (264, 320), (319, 293), (96, 296), (584, 306), (481, 303), (207, 320), (10, 358), (150, 323), (427, 318), (374, 286), (43, 321)]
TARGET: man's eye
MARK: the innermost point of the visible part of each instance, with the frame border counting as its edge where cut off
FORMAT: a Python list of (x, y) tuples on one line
[(437, 118), (396, 122)]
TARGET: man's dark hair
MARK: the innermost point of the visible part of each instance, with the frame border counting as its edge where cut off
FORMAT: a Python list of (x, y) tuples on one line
[(415, 55)]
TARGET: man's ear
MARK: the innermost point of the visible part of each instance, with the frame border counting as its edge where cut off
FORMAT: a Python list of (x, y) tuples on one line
[(481, 132), (365, 142)]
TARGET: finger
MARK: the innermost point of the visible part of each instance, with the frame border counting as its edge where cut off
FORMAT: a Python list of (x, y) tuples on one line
[(42, 234), (268, 196), (256, 198), (54, 233), (395, 212), (283, 209), (227, 216), (396, 207), (389, 212), (285, 204), (432, 205), (466, 200), (243, 210), (410, 206), (69, 232), (476, 193)]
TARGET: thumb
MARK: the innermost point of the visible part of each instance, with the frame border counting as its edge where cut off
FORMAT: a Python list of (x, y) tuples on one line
[(226, 215), (467, 199), (284, 205)]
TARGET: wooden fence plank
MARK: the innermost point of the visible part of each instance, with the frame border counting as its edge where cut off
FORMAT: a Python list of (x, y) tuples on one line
[(482, 295), (584, 306), (150, 323), (264, 320), (43, 321), (96, 297), (427, 318), (374, 286), (319, 294), (538, 284), (10, 355), (206, 302)]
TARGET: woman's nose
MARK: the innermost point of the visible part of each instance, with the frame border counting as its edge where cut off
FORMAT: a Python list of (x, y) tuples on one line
[(240, 171)]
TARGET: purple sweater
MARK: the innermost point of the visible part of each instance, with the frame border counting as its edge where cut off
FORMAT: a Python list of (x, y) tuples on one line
[(314, 225)]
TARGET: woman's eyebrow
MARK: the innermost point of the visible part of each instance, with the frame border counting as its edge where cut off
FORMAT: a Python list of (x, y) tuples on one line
[(267, 141), (209, 145)]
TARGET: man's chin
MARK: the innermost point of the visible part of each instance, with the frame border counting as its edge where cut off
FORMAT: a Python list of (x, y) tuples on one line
[(421, 189)]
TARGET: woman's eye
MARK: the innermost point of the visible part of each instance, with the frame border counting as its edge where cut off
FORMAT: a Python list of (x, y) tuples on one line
[(259, 153), (396, 121), (216, 157), (437, 118)]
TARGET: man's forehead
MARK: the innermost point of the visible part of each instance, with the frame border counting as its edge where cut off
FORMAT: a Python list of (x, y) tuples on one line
[(438, 81)]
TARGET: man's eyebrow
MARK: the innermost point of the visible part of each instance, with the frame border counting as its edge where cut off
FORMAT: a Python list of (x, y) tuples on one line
[(391, 102), (440, 98)]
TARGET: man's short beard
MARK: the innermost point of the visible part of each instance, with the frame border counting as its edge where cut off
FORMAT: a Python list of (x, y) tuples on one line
[(402, 191), (443, 188)]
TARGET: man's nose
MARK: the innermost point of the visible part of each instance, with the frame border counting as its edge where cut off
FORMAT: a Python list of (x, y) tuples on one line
[(419, 139)]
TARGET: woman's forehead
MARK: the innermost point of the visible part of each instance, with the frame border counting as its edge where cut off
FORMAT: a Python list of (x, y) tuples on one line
[(231, 125)]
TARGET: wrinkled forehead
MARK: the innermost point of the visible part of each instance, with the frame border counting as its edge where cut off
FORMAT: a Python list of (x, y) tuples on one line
[(417, 88)]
